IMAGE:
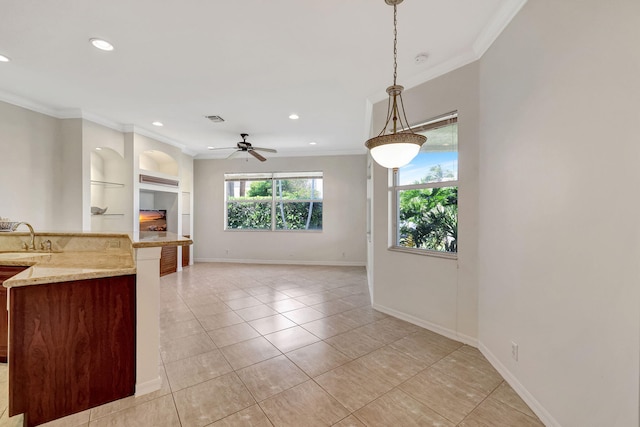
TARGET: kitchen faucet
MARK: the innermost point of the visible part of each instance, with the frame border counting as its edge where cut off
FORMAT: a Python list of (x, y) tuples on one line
[(32, 244)]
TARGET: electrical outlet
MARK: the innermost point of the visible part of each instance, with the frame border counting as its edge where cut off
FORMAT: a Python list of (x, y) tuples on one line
[(514, 351)]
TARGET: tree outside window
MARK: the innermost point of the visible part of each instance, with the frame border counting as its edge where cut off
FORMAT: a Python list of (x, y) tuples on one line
[(426, 191)]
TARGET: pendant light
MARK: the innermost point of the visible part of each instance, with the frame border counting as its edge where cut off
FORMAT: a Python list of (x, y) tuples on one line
[(398, 147)]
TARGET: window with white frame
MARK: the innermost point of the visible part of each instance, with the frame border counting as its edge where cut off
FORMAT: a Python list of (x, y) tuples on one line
[(425, 192), (274, 201)]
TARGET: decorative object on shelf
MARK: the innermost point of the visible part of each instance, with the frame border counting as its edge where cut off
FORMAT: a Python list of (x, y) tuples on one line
[(7, 225), (98, 211), (399, 147)]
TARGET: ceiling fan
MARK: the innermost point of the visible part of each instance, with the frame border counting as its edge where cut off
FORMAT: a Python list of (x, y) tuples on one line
[(246, 147)]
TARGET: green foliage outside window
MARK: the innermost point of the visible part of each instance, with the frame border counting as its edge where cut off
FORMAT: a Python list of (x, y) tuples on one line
[(297, 204), (429, 219)]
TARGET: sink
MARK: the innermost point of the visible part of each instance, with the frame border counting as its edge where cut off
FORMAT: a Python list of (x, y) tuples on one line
[(20, 255)]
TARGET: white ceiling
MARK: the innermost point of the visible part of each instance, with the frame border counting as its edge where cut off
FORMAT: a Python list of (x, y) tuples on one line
[(253, 62)]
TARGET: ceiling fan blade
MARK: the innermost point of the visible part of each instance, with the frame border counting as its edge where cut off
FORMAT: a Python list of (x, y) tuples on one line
[(234, 154), (266, 150), (257, 156)]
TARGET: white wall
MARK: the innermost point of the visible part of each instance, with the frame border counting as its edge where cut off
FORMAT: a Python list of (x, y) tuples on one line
[(30, 147), (343, 214), (437, 293), (559, 243)]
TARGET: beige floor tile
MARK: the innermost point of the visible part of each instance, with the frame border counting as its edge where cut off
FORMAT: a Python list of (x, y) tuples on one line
[(291, 338), (399, 409), (477, 373), (220, 320), (256, 312), (160, 412), (333, 307), (259, 290), (312, 299), (392, 365), (270, 377), (384, 331), (354, 344), (199, 300), (299, 291), (350, 421), (247, 353), (358, 300), (175, 330), (74, 420), (353, 385), (15, 421), (237, 304), (232, 334), (505, 394), (428, 347), (212, 400), (194, 370), (250, 417), (285, 305), (272, 296), (318, 358), (304, 405), (328, 326), (231, 294), (181, 348), (363, 315), (304, 315), (494, 413), (270, 324), (448, 396), (209, 309), (170, 317)]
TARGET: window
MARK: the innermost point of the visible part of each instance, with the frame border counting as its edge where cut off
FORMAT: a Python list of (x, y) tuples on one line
[(426, 191), (274, 201)]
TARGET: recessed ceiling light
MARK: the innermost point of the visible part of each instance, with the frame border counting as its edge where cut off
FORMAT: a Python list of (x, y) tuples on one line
[(4, 58), (312, 143), (210, 148), (294, 116), (98, 148), (421, 58), (101, 44), (159, 124)]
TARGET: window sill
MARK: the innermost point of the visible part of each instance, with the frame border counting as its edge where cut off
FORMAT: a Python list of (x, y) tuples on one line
[(425, 252)]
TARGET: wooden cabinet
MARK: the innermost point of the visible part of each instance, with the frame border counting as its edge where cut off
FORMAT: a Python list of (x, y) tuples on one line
[(168, 260), (5, 273), (185, 253), (72, 346)]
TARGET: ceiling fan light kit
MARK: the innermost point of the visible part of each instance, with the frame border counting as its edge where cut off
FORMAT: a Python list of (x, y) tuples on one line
[(398, 147)]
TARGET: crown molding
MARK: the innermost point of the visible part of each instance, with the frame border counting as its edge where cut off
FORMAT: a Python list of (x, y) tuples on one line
[(149, 134), (507, 11), (28, 104), (485, 39)]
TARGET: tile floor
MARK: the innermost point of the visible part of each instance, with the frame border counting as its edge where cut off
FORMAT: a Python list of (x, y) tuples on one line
[(264, 345)]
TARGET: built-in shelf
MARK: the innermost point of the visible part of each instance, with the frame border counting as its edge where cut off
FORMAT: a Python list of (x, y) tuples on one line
[(107, 184)]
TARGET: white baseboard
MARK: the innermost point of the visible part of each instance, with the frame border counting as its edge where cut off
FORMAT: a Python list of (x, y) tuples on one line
[(284, 262), (524, 394), (449, 333), (148, 386)]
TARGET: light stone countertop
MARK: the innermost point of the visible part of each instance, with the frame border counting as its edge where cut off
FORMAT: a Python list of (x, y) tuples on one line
[(77, 256)]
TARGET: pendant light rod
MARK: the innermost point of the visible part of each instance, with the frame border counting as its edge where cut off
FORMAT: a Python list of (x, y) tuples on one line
[(395, 149)]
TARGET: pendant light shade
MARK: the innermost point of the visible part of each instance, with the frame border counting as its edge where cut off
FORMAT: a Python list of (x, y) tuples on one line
[(397, 146)]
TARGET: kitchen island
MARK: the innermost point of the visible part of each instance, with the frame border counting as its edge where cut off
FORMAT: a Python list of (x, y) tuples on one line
[(83, 320)]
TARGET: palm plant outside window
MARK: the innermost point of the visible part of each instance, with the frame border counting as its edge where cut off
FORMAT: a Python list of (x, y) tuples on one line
[(274, 201), (426, 191)]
